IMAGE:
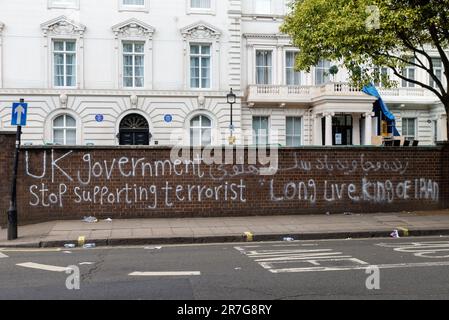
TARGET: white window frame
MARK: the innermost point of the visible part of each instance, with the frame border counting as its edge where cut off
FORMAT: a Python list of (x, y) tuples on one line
[(202, 33), (64, 128), (201, 44), (432, 82), (201, 127), (144, 8), (325, 76), (255, 133), (254, 6), (133, 54), (206, 11), (300, 135), (64, 52), (415, 120), (272, 67), (285, 68), (134, 30), (53, 4), (406, 72), (55, 30)]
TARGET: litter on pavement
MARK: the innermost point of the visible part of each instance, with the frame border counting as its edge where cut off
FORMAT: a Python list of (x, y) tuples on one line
[(248, 236), (90, 219), (152, 248), (108, 220), (81, 241), (395, 234), (288, 239)]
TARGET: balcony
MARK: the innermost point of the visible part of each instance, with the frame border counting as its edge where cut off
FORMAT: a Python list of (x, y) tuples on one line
[(300, 95), (408, 95), (308, 95)]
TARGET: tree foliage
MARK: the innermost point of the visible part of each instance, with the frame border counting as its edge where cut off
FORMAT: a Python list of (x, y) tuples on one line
[(364, 35)]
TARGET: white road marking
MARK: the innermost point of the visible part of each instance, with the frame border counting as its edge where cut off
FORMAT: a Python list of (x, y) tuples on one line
[(86, 263), (2, 255), (30, 250), (382, 266), (45, 267), (428, 249), (166, 274), (306, 260)]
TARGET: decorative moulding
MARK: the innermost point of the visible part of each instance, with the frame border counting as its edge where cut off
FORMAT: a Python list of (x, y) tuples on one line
[(63, 26), (201, 30), (133, 28)]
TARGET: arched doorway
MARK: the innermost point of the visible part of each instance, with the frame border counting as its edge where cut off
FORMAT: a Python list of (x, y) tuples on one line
[(134, 131)]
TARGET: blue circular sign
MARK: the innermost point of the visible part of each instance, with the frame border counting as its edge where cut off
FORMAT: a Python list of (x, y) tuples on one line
[(99, 118), (168, 118)]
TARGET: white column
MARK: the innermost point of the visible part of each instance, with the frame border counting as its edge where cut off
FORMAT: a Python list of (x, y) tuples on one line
[(356, 129), (328, 130), (317, 139), (368, 128), (1, 59), (442, 132), (251, 67)]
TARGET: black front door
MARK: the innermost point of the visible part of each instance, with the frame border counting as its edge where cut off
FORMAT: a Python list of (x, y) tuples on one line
[(134, 131), (342, 130), (134, 138)]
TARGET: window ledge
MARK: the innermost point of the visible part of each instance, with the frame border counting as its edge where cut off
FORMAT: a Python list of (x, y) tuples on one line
[(210, 12), (132, 9)]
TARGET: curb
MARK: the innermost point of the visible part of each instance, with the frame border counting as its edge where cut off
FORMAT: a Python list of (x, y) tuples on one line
[(235, 238)]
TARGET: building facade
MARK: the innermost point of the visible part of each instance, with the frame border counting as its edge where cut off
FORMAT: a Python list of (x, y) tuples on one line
[(153, 72)]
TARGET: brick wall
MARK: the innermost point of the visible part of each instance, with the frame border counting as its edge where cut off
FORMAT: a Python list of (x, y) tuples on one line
[(69, 183), (7, 142)]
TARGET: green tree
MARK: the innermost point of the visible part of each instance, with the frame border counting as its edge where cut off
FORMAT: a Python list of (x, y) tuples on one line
[(363, 35)]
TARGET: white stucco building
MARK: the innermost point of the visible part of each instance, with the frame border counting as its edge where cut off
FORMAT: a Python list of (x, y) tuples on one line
[(111, 72)]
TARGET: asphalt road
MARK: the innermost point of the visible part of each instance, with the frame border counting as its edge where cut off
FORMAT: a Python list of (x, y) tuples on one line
[(408, 268)]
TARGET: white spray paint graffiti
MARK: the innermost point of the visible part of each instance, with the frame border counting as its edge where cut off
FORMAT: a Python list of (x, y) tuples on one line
[(90, 182)]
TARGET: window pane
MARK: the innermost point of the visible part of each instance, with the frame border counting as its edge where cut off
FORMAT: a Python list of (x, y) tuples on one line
[(194, 49), (70, 122), (139, 47), (206, 121), (195, 122), (139, 60), (59, 122), (70, 46), (58, 136), (133, 2), (139, 82), (127, 47), (206, 137), (59, 45), (128, 81), (200, 4), (195, 137), (205, 50), (71, 137)]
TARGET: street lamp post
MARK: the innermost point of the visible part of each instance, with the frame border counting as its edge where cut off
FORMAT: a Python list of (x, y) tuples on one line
[(231, 98)]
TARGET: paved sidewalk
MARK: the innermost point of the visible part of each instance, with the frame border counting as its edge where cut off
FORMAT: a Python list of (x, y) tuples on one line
[(202, 230)]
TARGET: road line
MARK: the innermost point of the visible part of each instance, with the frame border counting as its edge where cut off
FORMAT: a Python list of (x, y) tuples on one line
[(2, 255), (30, 250), (166, 274), (382, 266), (45, 267)]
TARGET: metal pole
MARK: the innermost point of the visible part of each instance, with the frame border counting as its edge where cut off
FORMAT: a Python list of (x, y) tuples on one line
[(12, 212)]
